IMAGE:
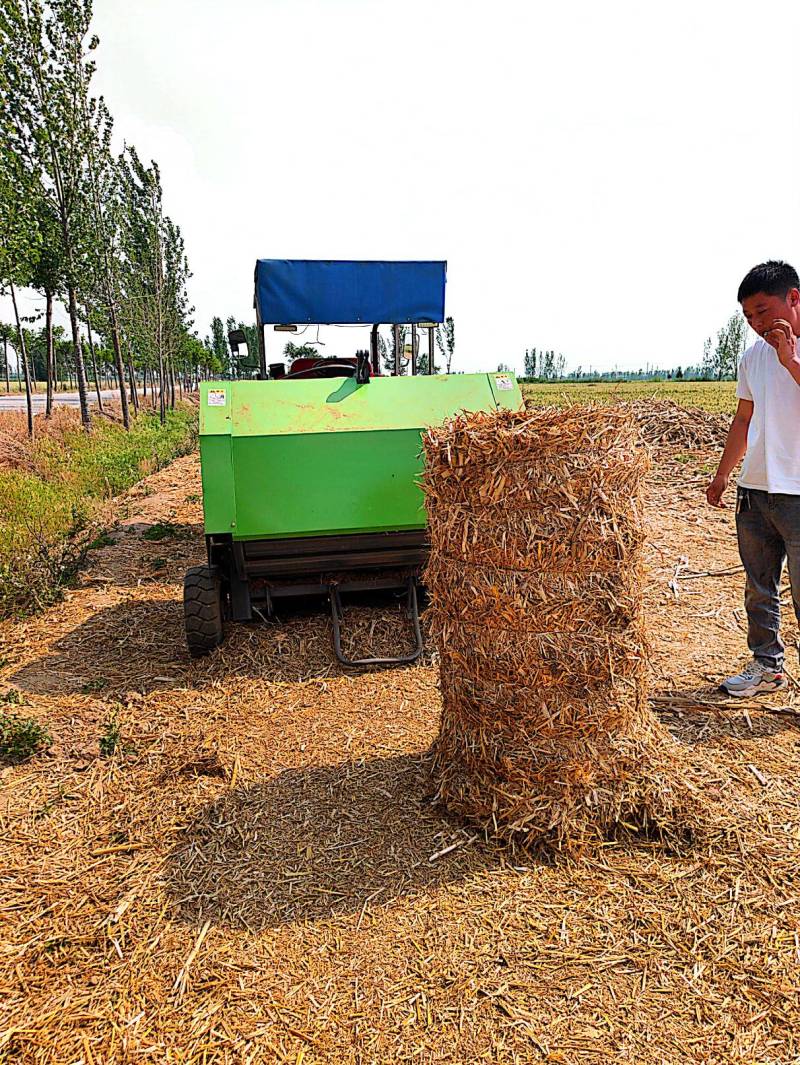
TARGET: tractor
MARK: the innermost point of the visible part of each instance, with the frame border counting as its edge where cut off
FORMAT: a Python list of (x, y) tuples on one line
[(311, 471)]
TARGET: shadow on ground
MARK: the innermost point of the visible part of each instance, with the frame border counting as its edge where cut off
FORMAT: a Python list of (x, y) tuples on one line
[(720, 718), (139, 645), (318, 842)]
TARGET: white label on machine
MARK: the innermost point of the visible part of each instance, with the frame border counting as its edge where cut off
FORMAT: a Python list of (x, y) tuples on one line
[(216, 397), (504, 384)]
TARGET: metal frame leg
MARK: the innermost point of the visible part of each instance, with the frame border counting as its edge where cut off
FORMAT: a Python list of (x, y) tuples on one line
[(401, 660)]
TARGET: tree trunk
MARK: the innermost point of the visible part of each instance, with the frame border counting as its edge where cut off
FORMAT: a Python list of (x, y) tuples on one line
[(5, 356), (162, 389), (48, 325), (80, 369), (132, 380), (94, 362), (123, 398), (23, 354)]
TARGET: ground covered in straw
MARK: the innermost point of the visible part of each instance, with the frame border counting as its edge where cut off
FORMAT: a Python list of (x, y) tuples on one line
[(256, 873)]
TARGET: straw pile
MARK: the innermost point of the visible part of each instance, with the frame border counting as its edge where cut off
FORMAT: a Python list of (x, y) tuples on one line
[(535, 578), (665, 423)]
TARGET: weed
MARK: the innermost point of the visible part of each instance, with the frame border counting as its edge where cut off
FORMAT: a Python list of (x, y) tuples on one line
[(103, 540), (163, 530), (95, 685), (12, 697), (158, 563), (47, 808), (194, 497), (110, 739), (21, 738)]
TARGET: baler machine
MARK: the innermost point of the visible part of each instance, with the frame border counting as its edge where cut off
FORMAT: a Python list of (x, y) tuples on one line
[(311, 472)]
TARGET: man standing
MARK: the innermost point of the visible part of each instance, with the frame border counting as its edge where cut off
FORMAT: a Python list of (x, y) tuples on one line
[(766, 432)]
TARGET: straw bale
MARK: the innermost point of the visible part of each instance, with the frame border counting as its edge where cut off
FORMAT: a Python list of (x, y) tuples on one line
[(535, 579)]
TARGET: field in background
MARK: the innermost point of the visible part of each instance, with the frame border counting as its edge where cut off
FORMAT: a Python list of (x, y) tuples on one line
[(709, 395)]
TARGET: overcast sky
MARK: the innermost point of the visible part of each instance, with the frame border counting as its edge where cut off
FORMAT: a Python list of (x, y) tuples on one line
[(598, 176)]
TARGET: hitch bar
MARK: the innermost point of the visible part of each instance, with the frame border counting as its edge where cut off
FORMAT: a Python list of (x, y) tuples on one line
[(412, 610)]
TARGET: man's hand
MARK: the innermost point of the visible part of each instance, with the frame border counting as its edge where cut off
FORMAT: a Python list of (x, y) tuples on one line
[(715, 490), (781, 336)]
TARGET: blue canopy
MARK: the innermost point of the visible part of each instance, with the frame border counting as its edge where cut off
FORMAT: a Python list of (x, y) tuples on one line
[(346, 292)]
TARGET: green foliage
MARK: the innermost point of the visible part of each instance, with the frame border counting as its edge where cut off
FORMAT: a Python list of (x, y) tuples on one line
[(446, 342), (44, 513), (21, 737), (721, 358), (110, 739), (164, 530), (294, 351)]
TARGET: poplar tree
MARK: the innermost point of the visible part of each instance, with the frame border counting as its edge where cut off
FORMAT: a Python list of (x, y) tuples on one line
[(47, 58)]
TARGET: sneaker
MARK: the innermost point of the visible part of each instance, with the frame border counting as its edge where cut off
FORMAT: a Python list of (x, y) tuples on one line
[(755, 679)]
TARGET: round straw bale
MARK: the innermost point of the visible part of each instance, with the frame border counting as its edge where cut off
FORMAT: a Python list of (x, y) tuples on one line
[(535, 583)]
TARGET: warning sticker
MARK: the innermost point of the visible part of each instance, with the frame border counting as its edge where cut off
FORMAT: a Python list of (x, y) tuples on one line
[(504, 384), (216, 397)]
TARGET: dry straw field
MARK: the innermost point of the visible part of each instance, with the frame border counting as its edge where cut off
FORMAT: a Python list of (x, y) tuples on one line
[(241, 859)]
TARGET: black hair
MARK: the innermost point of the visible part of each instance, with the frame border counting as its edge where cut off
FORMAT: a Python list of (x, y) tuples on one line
[(773, 278)]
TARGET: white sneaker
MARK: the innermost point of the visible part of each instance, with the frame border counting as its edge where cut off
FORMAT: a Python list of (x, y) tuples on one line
[(755, 679)]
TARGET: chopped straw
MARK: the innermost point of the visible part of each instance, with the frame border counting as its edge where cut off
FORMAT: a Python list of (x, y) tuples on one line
[(535, 578)]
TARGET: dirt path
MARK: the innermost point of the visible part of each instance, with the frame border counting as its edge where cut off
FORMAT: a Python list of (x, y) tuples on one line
[(249, 878)]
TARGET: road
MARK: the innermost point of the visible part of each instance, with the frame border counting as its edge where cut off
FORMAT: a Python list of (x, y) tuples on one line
[(16, 400)]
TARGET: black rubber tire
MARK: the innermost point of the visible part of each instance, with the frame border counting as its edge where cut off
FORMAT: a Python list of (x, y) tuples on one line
[(202, 610)]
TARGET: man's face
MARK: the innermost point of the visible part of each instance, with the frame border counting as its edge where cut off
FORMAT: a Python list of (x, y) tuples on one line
[(761, 310)]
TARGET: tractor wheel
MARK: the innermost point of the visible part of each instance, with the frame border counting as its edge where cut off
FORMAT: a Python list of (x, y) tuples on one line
[(202, 610)]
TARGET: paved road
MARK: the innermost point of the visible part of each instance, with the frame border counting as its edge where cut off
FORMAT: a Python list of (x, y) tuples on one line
[(16, 400)]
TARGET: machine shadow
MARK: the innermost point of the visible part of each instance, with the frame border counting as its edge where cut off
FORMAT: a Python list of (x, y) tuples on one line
[(140, 646), (316, 843)]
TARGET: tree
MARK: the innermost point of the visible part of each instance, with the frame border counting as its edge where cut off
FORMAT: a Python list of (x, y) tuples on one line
[(446, 342), (721, 358), (394, 358), (218, 345), (294, 351), (530, 362), (241, 364), (422, 361), (47, 62), (47, 277), (154, 273), (7, 335), (20, 242), (103, 224)]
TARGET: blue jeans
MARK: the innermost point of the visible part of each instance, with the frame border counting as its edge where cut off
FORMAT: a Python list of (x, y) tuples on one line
[(768, 530)]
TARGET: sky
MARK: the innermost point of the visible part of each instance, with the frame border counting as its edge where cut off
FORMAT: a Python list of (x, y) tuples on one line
[(599, 177)]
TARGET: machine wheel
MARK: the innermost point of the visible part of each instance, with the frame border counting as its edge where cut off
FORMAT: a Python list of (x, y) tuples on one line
[(202, 610)]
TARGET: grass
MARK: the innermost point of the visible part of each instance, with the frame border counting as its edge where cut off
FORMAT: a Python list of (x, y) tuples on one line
[(50, 492), (164, 530), (20, 737), (110, 739), (708, 395)]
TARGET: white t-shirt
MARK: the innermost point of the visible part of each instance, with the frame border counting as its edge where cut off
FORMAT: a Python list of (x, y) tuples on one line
[(772, 462)]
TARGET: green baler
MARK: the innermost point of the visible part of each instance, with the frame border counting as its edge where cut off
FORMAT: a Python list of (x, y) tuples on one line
[(310, 479)]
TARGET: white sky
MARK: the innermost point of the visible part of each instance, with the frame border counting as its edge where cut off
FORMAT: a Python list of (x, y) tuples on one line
[(599, 176)]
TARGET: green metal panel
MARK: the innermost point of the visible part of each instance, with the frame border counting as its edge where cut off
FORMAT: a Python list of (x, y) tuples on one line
[(326, 456)]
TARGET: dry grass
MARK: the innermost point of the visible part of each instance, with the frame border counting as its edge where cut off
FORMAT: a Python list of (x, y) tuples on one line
[(254, 875)]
